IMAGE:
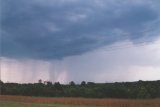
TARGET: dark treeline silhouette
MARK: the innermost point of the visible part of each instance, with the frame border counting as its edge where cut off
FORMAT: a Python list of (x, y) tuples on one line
[(139, 89)]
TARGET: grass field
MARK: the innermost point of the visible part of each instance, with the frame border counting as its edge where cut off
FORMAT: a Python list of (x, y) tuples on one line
[(21, 101), (20, 104)]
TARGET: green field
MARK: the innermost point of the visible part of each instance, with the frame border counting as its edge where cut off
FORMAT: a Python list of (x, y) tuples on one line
[(18, 104)]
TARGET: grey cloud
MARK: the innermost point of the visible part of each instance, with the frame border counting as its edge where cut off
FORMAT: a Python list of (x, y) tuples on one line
[(54, 29)]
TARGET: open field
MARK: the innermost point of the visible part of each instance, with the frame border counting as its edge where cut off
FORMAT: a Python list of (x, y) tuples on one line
[(20, 104), (21, 101)]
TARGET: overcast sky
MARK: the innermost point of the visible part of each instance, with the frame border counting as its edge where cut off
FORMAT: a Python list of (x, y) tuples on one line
[(91, 40)]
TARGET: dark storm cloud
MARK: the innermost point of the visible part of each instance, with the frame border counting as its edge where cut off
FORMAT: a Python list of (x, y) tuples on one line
[(53, 29)]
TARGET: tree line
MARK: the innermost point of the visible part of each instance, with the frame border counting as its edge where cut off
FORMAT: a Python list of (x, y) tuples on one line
[(139, 89)]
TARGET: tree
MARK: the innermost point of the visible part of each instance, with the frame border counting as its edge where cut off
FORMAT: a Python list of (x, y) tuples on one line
[(90, 83), (72, 83), (40, 81), (143, 93), (83, 83), (1, 86), (48, 83), (57, 85)]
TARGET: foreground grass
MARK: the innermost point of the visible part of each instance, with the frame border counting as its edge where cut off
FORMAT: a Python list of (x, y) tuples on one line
[(22, 101), (20, 104)]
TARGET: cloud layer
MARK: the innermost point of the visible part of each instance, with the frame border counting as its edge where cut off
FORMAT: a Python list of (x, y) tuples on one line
[(54, 29)]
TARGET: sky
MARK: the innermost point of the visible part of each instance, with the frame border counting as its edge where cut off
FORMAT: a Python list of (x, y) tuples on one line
[(76, 40)]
